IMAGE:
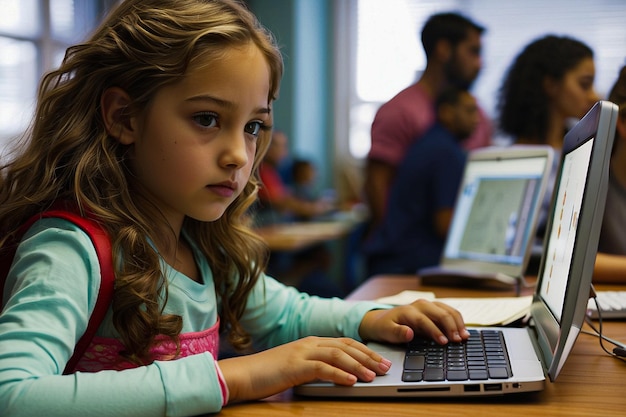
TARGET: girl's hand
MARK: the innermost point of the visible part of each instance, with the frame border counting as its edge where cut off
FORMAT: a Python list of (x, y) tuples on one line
[(342, 361), (399, 324)]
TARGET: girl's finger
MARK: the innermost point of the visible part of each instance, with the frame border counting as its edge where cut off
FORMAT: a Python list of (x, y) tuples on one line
[(438, 321), (354, 357)]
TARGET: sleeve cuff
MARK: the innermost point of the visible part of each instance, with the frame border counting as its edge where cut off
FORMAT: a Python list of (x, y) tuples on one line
[(223, 386)]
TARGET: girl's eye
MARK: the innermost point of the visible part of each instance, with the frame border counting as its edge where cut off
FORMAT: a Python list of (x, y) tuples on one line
[(254, 128), (205, 119)]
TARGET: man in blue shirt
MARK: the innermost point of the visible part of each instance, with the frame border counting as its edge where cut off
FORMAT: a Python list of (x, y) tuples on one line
[(424, 191)]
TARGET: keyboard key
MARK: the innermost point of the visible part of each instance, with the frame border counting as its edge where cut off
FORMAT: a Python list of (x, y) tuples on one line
[(478, 374), (433, 374), (412, 376), (412, 362), (456, 375), (498, 373)]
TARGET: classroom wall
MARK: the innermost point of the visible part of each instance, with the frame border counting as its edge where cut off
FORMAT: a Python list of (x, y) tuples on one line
[(304, 109)]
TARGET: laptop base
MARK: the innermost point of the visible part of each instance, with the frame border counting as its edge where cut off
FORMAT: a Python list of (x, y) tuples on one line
[(459, 278)]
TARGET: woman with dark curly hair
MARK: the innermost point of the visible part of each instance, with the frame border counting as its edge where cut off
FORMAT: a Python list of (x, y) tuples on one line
[(549, 82)]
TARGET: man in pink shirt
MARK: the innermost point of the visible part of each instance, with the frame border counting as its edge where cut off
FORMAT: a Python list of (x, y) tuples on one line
[(452, 44)]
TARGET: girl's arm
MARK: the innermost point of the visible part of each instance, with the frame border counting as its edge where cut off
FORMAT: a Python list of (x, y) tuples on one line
[(49, 294), (284, 318), (277, 314)]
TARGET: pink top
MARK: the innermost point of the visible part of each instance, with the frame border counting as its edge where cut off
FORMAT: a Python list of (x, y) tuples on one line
[(104, 353)]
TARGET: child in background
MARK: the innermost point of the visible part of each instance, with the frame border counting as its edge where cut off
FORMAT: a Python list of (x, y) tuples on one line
[(304, 184), (304, 174), (277, 203), (156, 127)]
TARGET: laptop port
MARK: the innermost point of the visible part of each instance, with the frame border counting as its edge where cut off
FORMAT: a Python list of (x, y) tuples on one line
[(493, 387), (471, 388)]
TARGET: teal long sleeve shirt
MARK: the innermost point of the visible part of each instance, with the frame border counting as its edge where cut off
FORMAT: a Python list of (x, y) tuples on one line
[(50, 293)]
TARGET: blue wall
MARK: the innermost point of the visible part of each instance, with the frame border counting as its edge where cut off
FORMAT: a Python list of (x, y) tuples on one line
[(304, 109)]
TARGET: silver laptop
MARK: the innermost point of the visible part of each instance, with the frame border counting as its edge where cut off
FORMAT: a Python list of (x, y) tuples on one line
[(560, 300), (495, 216)]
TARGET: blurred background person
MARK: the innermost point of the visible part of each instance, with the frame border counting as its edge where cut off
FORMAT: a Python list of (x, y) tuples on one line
[(549, 85), (308, 269), (276, 201), (611, 260), (452, 45), (304, 175), (304, 185), (424, 191)]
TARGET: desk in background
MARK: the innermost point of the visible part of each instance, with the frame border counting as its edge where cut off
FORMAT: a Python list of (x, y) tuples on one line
[(339, 232), (301, 235), (590, 384)]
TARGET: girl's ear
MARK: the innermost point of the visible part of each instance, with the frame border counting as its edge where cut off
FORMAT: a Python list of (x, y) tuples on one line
[(118, 124)]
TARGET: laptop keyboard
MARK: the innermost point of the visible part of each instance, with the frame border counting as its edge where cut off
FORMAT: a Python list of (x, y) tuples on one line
[(612, 305), (482, 356)]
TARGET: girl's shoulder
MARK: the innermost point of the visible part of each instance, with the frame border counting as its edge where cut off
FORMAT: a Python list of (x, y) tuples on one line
[(56, 233), (57, 253)]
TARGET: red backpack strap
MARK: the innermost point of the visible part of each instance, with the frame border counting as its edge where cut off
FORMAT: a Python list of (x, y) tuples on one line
[(102, 244)]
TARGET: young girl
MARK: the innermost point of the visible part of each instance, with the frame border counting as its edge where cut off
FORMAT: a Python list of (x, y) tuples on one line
[(155, 127)]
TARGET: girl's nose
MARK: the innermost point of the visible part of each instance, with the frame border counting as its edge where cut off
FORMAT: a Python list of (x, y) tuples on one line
[(235, 153)]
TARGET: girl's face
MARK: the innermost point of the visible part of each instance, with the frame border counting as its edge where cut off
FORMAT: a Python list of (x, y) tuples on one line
[(196, 143), (574, 95)]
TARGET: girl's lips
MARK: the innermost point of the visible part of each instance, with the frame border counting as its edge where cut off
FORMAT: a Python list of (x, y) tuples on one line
[(223, 189)]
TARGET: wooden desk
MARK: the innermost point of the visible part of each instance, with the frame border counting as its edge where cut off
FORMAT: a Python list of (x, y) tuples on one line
[(590, 384), (295, 236), (301, 235), (335, 234)]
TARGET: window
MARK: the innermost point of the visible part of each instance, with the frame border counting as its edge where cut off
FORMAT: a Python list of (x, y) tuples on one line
[(389, 57), (385, 54), (33, 37)]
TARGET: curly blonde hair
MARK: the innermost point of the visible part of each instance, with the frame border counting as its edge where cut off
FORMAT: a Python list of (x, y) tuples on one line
[(141, 46)]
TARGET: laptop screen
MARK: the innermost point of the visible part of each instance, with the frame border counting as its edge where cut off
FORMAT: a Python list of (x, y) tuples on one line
[(573, 230), (492, 220), (560, 243)]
